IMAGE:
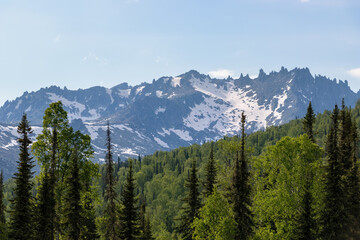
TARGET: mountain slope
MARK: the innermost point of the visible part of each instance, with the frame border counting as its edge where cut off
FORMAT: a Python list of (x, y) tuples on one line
[(176, 111)]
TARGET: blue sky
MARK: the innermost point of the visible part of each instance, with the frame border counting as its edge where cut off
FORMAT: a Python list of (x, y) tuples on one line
[(79, 44)]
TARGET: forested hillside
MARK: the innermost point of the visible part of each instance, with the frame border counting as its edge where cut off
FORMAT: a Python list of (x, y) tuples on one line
[(285, 174)]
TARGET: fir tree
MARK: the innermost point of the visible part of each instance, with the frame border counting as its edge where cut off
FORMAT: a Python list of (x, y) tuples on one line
[(240, 191), (88, 230), (129, 216), (210, 173), (72, 209), (145, 227), (306, 221), (192, 204), (332, 216), (308, 123), (44, 228), (111, 231), (345, 140), (22, 207), (3, 230), (353, 209)]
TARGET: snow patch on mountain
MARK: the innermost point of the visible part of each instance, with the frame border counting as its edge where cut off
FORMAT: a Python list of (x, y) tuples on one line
[(160, 110), (161, 143), (159, 93), (175, 81), (125, 93), (109, 92)]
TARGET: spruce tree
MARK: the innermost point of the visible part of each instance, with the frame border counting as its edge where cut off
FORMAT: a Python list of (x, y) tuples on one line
[(145, 227), (309, 121), (210, 173), (89, 229), (353, 228), (192, 204), (306, 222), (72, 208), (3, 231), (111, 231), (240, 191), (333, 213), (44, 228), (129, 217), (22, 206)]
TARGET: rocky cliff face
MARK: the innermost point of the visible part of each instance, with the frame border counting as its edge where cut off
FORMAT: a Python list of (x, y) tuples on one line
[(174, 111)]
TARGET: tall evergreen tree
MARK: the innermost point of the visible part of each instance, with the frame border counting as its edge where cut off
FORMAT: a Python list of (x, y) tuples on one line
[(129, 216), (3, 230), (210, 173), (192, 204), (145, 227), (89, 229), (309, 121), (306, 221), (72, 208), (333, 213), (44, 228), (345, 140), (22, 206), (112, 223), (353, 209), (240, 191)]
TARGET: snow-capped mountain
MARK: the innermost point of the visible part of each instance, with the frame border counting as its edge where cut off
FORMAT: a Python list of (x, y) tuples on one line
[(174, 111)]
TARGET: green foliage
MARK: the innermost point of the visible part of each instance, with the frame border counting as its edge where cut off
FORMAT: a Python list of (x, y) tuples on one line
[(280, 179), (22, 206), (210, 173), (111, 223), (240, 190), (308, 123), (3, 229), (53, 150), (192, 204), (129, 217), (71, 204), (285, 174), (216, 219)]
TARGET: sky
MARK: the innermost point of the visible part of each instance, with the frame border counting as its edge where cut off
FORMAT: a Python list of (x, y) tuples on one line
[(85, 43)]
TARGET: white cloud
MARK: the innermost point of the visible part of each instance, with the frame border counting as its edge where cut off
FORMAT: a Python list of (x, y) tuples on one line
[(93, 57), (221, 73), (354, 72)]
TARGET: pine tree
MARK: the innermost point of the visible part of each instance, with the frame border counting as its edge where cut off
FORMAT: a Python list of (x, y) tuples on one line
[(332, 216), (3, 230), (145, 227), (210, 173), (111, 231), (192, 204), (129, 216), (240, 191), (22, 208), (72, 209), (308, 123)]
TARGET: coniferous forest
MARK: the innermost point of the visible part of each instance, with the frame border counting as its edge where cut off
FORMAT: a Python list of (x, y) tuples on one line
[(295, 181)]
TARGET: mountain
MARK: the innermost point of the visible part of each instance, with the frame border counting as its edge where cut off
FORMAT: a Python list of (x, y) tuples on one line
[(174, 111)]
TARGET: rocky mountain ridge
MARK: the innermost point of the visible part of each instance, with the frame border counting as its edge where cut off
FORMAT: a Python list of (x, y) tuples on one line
[(174, 111)]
